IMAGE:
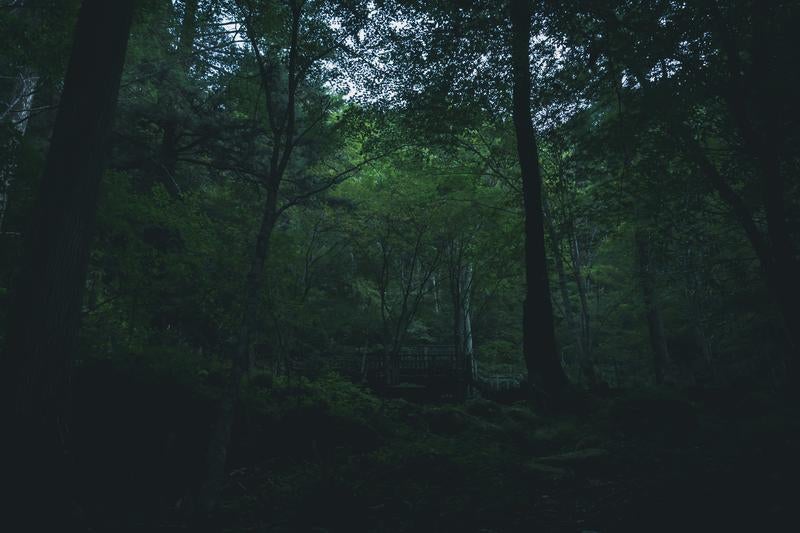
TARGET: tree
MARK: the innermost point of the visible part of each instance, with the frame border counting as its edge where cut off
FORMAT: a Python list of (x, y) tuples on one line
[(46, 309), (730, 117), (307, 41), (539, 341)]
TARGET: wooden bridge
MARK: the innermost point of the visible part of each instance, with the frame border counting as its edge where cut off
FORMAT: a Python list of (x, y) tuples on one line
[(436, 368)]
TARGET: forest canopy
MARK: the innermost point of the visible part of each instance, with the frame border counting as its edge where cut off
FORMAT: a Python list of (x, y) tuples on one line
[(220, 219)]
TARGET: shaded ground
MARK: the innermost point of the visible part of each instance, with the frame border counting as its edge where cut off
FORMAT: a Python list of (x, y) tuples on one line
[(640, 462), (326, 456)]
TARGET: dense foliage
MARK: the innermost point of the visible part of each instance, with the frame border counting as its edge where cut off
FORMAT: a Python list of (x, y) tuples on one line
[(287, 184)]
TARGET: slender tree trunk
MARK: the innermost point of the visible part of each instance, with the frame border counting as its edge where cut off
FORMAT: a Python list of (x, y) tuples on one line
[(569, 312), (539, 341), (655, 326), (583, 296), (46, 309), (458, 316), (436, 304), (283, 145), (467, 346), (461, 288), (253, 292), (585, 331)]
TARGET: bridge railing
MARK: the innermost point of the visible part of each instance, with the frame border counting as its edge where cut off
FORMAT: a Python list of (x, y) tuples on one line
[(416, 364)]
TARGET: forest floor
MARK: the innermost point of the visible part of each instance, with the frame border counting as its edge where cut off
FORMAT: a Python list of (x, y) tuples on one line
[(642, 461), (326, 456)]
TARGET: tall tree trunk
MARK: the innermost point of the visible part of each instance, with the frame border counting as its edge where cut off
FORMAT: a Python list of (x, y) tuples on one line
[(461, 288), (763, 144), (655, 325), (775, 251), (283, 145), (539, 341), (46, 309)]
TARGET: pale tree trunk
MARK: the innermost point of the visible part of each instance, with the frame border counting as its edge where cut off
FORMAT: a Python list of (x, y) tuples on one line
[(460, 273), (466, 322), (26, 89), (436, 305), (18, 113), (461, 289)]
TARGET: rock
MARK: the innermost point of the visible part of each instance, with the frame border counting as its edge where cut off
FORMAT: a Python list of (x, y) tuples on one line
[(554, 473), (485, 409), (584, 461), (523, 415), (588, 455)]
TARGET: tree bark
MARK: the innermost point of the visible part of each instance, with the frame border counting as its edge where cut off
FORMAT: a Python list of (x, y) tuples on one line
[(461, 289), (466, 324), (775, 250), (762, 143), (539, 346), (775, 255), (46, 309)]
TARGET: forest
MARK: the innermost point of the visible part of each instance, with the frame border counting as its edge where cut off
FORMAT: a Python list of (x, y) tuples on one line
[(399, 265)]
